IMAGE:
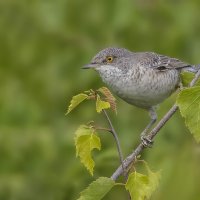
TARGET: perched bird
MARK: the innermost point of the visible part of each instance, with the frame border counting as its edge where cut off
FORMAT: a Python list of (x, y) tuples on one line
[(143, 79)]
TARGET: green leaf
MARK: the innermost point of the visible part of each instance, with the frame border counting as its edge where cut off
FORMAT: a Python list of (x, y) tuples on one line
[(97, 189), (189, 104), (76, 100), (186, 78), (85, 141), (137, 185), (154, 178), (100, 105), (142, 186)]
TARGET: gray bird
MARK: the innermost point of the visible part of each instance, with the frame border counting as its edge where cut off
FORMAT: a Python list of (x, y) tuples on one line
[(143, 79)]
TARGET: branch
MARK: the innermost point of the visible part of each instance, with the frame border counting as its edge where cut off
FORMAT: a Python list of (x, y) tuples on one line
[(113, 132), (132, 157)]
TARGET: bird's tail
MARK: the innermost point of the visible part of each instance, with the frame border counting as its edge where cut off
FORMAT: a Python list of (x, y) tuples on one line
[(192, 68)]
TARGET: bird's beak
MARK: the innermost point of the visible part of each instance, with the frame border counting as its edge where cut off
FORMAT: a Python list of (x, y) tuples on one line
[(90, 66)]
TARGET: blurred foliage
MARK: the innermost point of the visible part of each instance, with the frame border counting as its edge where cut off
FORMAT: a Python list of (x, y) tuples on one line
[(43, 44)]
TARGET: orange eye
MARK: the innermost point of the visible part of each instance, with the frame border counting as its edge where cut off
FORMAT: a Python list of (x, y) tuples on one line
[(109, 59)]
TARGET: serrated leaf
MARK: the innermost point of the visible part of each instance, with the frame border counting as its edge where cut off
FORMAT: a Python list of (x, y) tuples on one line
[(76, 100), (109, 98), (142, 186), (85, 141), (186, 78), (154, 178), (137, 186), (97, 189), (189, 104), (100, 105)]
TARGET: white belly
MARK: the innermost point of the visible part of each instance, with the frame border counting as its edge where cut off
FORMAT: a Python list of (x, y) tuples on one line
[(144, 89)]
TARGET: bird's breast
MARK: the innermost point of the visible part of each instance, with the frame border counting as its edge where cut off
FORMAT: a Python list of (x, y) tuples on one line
[(143, 87)]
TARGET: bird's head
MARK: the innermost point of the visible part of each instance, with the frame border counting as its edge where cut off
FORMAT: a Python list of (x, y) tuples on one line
[(108, 60)]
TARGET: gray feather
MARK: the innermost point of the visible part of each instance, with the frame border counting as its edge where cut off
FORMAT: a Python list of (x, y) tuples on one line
[(159, 62)]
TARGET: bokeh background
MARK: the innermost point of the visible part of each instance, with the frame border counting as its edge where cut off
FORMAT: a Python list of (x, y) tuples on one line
[(43, 44)]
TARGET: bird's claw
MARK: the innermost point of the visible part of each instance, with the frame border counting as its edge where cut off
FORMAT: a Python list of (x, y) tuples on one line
[(146, 141)]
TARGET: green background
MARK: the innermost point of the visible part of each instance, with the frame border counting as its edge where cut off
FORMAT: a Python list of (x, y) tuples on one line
[(43, 44)]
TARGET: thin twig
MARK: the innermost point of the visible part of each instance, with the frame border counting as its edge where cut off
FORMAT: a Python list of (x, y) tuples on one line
[(131, 158), (103, 129), (113, 132)]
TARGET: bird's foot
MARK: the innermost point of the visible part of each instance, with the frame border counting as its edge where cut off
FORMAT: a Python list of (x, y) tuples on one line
[(146, 141)]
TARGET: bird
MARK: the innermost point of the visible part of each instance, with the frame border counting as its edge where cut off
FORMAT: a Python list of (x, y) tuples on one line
[(142, 79)]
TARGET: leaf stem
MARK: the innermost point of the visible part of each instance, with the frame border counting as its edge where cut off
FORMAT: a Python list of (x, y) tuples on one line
[(103, 129), (113, 132)]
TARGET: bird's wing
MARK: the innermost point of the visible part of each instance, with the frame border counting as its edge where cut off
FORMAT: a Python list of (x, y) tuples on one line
[(160, 62)]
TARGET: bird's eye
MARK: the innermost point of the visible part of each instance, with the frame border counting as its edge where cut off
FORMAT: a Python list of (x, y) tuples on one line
[(109, 59)]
